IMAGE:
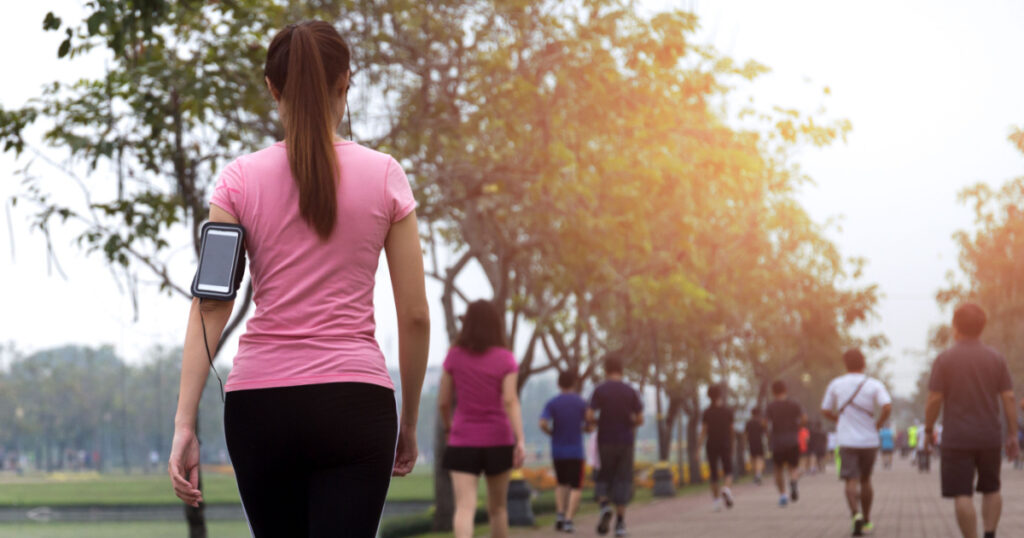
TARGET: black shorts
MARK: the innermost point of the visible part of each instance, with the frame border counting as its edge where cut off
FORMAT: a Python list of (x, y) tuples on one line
[(569, 473), (490, 460), (756, 449), (615, 477), (719, 457), (959, 467), (856, 463), (786, 455)]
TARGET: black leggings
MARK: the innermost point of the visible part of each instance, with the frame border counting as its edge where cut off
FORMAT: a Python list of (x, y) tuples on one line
[(312, 460)]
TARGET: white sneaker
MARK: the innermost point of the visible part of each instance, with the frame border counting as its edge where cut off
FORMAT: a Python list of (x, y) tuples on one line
[(727, 495), (716, 505)]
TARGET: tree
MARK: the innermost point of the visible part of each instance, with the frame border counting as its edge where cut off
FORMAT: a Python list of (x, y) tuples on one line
[(991, 262)]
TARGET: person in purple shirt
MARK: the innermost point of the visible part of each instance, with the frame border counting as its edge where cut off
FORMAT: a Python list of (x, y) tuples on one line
[(485, 435), (564, 419)]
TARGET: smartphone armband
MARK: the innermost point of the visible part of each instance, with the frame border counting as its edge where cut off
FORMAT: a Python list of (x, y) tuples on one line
[(221, 261)]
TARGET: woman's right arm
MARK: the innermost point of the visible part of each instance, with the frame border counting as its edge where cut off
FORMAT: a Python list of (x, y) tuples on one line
[(405, 262)]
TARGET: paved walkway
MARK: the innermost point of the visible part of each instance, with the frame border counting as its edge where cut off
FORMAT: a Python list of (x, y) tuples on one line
[(907, 505)]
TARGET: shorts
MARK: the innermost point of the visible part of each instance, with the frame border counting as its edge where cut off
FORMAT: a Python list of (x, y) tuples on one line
[(490, 460), (756, 449), (786, 455), (615, 477), (569, 473), (959, 466), (856, 463), (887, 451), (719, 456)]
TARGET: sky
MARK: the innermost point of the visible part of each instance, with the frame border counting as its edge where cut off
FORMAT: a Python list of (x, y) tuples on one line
[(932, 89)]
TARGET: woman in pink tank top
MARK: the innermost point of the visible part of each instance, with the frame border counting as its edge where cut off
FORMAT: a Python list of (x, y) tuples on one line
[(485, 435), (309, 416)]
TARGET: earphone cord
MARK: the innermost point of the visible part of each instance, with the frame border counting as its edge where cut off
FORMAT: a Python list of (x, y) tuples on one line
[(208, 354)]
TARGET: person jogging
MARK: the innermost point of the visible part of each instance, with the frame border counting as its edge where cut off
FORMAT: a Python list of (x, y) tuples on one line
[(852, 400), (716, 434), (785, 418), (755, 442), (564, 419), (887, 445), (967, 382), (485, 435), (616, 410), (818, 447), (317, 211)]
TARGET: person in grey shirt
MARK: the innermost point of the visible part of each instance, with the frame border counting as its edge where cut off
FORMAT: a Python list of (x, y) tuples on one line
[(967, 381)]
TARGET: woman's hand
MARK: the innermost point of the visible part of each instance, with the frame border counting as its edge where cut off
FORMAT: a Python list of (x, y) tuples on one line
[(183, 466), (519, 455), (405, 455)]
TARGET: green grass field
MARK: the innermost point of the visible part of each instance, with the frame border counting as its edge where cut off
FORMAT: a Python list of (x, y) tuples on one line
[(155, 529), (114, 488)]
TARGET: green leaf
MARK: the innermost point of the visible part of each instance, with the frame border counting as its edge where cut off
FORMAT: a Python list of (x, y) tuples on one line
[(51, 22), (65, 47)]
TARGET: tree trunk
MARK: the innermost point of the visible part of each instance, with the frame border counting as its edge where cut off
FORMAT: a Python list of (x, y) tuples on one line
[(444, 497), (693, 442)]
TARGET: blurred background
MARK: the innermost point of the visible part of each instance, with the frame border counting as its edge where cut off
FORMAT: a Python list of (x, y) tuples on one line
[(730, 191)]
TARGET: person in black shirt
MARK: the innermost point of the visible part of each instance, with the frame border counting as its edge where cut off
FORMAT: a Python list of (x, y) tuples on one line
[(967, 382), (786, 417), (716, 430), (755, 442), (817, 447)]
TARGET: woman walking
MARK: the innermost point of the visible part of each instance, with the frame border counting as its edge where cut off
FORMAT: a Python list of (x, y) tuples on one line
[(309, 417), (485, 435)]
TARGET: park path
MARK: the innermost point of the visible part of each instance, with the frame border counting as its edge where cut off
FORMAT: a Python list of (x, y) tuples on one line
[(907, 505)]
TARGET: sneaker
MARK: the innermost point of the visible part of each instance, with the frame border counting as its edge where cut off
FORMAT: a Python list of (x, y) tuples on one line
[(868, 528), (783, 501), (559, 525), (620, 530), (606, 520), (727, 495), (568, 527), (858, 525), (793, 493), (716, 505)]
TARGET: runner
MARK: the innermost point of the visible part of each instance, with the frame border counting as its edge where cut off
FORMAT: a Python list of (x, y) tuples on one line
[(755, 442), (716, 430), (818, 447), (616, 409), (804, 438), (885, 438), (785, 418), (852, 400), (912, 443), (967, 381), (563, 419), (901, 443)]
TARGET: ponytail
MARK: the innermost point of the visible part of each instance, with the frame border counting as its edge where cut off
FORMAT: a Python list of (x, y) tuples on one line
[(305, 61)]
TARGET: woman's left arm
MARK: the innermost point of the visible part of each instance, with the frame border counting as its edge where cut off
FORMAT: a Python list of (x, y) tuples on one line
[(510, 397), (183, 466)]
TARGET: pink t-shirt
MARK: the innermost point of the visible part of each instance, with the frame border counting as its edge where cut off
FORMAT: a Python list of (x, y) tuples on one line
[(480, 418), (313, 321)]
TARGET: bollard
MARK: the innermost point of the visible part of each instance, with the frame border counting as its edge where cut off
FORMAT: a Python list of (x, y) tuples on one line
[(520, 510), (663, 486)]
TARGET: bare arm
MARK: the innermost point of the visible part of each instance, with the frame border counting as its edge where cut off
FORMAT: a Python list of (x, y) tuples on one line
[(883, 416), (405, 262), (444, 400), (830, 414), (510, 398), (545, 426), (931, 410), (1011, 414), (591, 418), (183, 465)]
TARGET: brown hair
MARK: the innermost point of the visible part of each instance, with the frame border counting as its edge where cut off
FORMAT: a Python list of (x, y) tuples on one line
[(304, 64), (481, 328)]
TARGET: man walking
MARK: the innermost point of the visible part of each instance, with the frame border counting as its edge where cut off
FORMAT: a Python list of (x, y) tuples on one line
[(785, 418), (852, 400), (967, 382), (564, 419), (716, 431), (616, 409), (755, 442)]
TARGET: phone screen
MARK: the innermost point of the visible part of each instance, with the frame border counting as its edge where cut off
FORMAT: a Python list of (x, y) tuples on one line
[(218, 259)]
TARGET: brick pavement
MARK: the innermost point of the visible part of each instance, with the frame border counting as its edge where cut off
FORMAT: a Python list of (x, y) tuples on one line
[(907, 505)]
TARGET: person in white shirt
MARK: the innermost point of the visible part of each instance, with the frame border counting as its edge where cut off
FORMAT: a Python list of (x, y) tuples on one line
[(852, 400)]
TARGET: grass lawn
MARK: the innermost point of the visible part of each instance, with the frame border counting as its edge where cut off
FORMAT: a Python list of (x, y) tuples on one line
[(116, 488), (154, 529)]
